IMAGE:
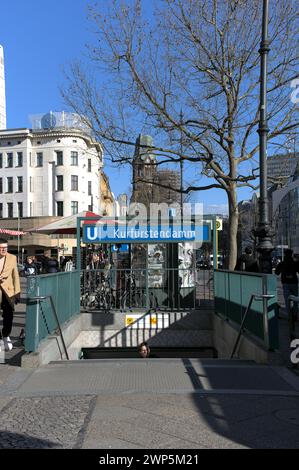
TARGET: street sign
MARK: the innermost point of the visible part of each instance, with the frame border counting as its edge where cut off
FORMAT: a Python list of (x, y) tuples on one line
[(125, 233), (154, 320), (120, 248), (219, 224)]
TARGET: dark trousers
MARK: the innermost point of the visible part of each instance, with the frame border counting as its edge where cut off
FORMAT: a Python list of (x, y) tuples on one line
[(7, 315)]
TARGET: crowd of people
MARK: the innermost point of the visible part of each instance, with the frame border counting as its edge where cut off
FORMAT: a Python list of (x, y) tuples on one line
[(288, 269), (45, 264)]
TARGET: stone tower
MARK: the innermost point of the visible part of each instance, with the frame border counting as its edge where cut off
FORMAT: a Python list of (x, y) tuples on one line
[(144, 168)]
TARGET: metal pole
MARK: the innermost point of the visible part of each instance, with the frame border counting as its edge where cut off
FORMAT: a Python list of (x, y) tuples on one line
[(78, 260), (241, 327), (263, 230), (181, 167), (214, 243), (59, 327)]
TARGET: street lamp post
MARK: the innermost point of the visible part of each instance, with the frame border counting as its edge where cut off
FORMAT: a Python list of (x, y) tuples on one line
[(181, 169), (263, 230)]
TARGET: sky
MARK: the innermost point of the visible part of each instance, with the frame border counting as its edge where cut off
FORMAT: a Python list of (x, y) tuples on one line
[(40, 38)]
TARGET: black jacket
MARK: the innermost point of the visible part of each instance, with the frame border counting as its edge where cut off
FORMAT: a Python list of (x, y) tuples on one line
[(50, 265), (247, 263), (288, 268)]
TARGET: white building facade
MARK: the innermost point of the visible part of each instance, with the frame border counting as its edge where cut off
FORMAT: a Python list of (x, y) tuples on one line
[(50, 171)]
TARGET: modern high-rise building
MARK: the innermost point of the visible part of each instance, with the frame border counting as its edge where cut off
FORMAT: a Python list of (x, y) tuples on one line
[(2, 91), (280, 167)]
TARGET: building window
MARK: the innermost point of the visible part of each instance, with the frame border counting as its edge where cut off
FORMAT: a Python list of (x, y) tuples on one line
[(10, 210), (30, 159), (89, 165), (31, 209), (39, 159), (74, 207), (20, 184), (89, 188), (74, 158), (1, 210), (9, 184), (1, 185), (60, 183), (20, 209), (74, 183), (30, 184), (9, 160), (59, 158), (60, 208), (20, 159), (1, 160)]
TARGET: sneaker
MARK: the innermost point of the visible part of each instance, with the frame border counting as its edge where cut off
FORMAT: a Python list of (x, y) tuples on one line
[(7, 343)]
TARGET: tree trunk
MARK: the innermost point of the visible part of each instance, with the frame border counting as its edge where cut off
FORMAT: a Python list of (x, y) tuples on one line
[(233, 226)]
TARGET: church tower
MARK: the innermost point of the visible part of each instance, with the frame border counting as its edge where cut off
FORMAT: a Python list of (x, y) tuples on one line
[(144, 169)]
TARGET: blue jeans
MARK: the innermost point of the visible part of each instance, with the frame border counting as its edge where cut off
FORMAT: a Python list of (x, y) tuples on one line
[(290, 289)]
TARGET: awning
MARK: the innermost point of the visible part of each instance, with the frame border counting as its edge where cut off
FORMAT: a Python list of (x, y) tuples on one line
[(11, 232), (65, 225)]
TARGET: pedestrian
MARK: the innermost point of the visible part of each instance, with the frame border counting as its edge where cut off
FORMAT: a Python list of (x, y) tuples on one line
[(288, 269), (144, 350), (68, 266), (38, 264), (50, 265), (247, 262), (10, 291), (94, 262), (30, 268)]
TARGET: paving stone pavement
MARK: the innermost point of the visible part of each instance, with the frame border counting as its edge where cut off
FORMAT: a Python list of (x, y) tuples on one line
[(43, 422)]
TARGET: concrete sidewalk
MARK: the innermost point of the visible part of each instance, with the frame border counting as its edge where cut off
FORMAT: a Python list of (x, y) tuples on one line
[(150, 404)]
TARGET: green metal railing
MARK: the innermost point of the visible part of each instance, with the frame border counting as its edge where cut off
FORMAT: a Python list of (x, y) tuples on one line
[(233, 291), (64, 289)]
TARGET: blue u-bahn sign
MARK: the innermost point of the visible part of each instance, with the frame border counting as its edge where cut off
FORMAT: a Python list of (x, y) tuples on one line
[(124, 233)]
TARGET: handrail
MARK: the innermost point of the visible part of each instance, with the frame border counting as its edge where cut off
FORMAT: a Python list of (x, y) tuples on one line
[(247, 273), (44, 297), (291, 317), (256, 297)]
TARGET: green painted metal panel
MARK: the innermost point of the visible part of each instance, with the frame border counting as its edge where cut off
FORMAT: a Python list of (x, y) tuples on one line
[(233, 290), (40, 322)]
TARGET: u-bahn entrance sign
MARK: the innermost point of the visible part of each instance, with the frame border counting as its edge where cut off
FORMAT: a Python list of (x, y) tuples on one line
[(113, 231), (125, 233)]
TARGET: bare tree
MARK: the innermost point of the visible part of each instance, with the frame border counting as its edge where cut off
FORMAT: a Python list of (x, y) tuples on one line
[(198, 56)]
